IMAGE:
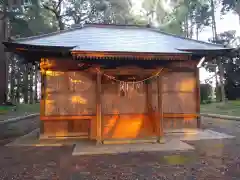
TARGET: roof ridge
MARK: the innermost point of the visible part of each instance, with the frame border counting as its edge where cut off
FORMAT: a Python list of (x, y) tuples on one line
[(117, 25)]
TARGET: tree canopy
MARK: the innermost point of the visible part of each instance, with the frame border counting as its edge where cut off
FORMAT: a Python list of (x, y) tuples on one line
[(231, 5)]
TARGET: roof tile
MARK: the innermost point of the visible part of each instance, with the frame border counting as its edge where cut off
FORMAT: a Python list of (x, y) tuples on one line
[(112, 38)]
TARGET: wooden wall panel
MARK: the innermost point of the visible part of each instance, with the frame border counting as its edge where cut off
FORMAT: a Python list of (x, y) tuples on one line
[(65, 128), (128, 126), (179, 81), (81, 126), (179, 123), (179, 92), (93, 130), (70, 93), (179, 103), (179, 97), (113, 102), (55, 128), (70, 104)]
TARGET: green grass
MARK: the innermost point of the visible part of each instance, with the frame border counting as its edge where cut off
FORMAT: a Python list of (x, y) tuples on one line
[(21, 110), (231, 108), (30, 108)]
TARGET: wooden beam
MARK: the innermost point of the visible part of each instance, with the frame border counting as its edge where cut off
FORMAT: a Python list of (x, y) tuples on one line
[(160, 107), (180, 115), (133, 55), (198, 97), (99, 108), (174, 91), (129, 71)]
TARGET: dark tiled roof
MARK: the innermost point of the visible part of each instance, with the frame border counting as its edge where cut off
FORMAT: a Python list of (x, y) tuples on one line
[(117, 38)]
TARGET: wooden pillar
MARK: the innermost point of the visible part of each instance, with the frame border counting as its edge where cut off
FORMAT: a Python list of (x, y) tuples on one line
[(148, 98), (99, 108), (160, 107), (149, 107), (198, 100), (43, 100)]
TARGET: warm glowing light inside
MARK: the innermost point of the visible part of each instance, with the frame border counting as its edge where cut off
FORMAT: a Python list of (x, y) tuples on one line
[(78, 99), (61, 134), (110, 125), (53, 73), (76, 80), (188, 85), (126, 126), (46, 63), (48, 90), (49, 106), (49, 101), (129, 127)]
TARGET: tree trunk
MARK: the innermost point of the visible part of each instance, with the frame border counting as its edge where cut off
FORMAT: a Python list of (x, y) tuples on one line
[(18, 94), (31, 99), (60, 23), (36, 83), (12, 79), (191, 25), (197, 32), (221, 70), (218, 62), (19, 83), (186, 27), (25, 85), (3, 57)]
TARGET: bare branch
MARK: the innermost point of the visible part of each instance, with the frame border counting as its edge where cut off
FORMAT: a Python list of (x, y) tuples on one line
[(59, 3), (48, 8)]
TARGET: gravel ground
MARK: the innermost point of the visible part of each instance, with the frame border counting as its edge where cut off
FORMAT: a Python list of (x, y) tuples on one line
[(212, 160)]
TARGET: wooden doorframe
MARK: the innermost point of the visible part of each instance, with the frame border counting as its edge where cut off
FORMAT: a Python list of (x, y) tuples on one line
[(99, 107)]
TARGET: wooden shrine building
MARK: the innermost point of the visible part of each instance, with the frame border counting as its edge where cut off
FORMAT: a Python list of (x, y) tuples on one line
[(115, 83)]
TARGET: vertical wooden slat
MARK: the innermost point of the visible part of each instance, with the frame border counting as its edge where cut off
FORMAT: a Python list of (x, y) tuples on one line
[(198, 97), (160, 107), (70, 126), (148, 99), (99, 109)]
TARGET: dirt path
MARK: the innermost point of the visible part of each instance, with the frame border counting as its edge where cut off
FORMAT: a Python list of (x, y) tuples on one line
[(212, 160)]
